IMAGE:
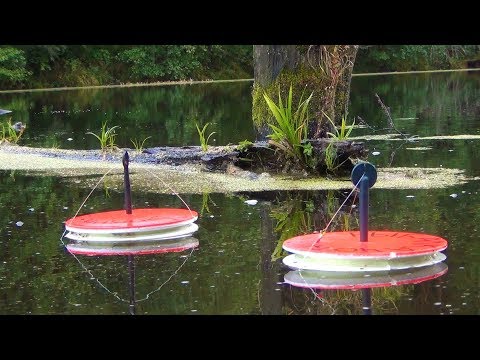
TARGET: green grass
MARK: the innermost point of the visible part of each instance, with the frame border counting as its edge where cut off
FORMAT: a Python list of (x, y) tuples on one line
[(343, 132), (106, 137), (244, 145), (8, 133), (139, 144), (290, 127), (203, 139), (340, 133)]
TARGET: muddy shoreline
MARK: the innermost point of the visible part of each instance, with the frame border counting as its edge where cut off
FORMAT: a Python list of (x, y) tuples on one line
[(153, 171)]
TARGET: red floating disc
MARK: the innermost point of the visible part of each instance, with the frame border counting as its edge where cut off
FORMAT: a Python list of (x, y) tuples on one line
[(380, 244), (118, 221), (162, 247)]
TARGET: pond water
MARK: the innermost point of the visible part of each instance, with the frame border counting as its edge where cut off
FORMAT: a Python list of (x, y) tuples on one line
[(237, 268)]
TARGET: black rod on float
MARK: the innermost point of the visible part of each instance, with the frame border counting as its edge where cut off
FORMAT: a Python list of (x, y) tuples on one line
[(363, 199), (364, 175), (126, 184)]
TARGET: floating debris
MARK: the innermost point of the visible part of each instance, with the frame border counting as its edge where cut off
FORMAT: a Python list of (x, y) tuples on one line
[(419, 148)]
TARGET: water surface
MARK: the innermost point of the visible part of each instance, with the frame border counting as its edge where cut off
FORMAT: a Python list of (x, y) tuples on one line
[(237, 267)]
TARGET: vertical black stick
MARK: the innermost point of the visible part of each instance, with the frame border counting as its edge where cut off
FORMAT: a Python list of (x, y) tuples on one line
[(126, 183), (131, 272), (364, 209)]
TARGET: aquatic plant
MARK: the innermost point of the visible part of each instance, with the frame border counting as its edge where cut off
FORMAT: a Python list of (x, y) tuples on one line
[(106, 137), (290, 127), (203, 139), (9, 134), (344, 132), (339, 134), (244, 145), (139, 144)]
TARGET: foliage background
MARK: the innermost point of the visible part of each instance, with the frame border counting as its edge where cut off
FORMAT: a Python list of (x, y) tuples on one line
[(37, 66)]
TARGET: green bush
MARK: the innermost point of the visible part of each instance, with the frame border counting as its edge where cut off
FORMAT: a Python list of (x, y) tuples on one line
[(12, 66), (380, 58)]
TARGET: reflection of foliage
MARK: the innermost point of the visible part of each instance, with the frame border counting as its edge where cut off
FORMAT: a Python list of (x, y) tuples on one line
[(162, 112), (292, 220), (298, 215), (205, 200), (344, 302)]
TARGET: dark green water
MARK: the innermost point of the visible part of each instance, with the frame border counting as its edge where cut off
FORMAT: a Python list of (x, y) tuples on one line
[(237, 267)]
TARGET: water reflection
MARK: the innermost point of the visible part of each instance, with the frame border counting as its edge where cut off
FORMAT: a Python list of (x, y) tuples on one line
[(233, 271), (167, 114), (325, 286), (129, 251), (298, 213)]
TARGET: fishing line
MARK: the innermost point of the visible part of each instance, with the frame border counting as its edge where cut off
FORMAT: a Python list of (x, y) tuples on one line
[(89, 272), (324, 230), (169, 188)]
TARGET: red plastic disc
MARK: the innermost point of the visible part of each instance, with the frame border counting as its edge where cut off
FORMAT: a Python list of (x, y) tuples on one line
[(118, 221), (380, 244), (79, 248)]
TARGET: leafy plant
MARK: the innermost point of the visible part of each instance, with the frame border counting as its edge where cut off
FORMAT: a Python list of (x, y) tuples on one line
[(203, 139), (106, 137), (9, 134), (139, 144), (244, 145), (344, 131), (330, 156), (290, 127), (339, 134)]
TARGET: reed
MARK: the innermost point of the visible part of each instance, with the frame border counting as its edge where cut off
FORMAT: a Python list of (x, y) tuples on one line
[(106, 137), (203, 139), (290, 126)]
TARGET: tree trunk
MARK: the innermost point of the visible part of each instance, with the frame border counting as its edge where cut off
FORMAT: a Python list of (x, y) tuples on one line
[(325, 70)]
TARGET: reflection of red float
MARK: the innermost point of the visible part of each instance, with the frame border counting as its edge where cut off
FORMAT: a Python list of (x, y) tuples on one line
[(353, 281), (129, 250), (142, 248)]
